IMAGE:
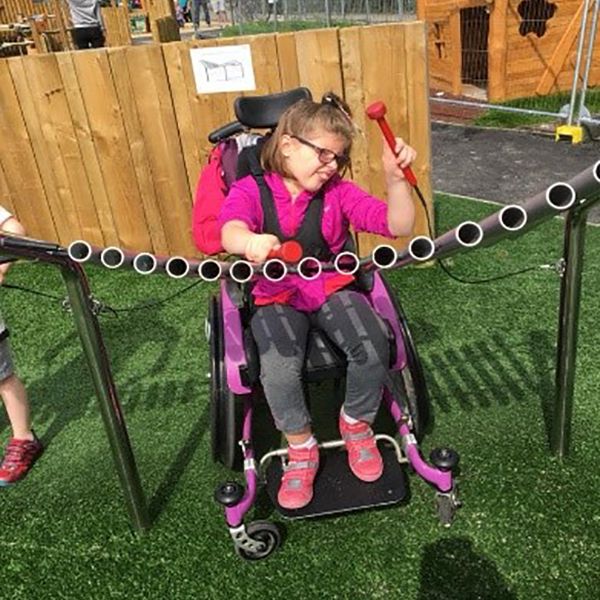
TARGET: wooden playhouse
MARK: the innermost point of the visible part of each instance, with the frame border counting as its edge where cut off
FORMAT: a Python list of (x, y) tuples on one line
[(503, 49)]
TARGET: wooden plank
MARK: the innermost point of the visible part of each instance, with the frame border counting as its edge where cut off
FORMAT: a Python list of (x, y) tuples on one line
[(110, 137), (25, 164), (384, 80), (127, 89), (497, 51), (185, 103), (419, 136), (116, 25), (351, 58), (288, 61), (318, 61), (163, 148), (96, 219), (6, 197), (73, 204), (455, 52)]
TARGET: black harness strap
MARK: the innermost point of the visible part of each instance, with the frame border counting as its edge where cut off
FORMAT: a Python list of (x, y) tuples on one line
[(309, 234)]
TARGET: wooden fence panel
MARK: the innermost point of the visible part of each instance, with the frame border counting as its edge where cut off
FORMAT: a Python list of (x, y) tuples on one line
[(96, 228), (108, 143), (382, 79), (318, 55), (417, 105), (289, 74), (126, 88), (64, 175), (110, 136), (19, 163), (6, 198), (116, 25), (160, 134)]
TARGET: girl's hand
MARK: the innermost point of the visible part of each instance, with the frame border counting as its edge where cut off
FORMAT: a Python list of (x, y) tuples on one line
[(393, 165), (259, 245)]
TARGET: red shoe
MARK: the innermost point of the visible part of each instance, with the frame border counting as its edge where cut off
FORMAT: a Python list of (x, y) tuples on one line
[(19, 457), (296, 489), (363, 455)]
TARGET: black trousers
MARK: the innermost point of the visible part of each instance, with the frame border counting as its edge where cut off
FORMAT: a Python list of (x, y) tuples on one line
[(88, 37)]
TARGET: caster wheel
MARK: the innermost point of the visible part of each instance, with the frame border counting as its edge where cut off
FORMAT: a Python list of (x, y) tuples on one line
[(267, 534)]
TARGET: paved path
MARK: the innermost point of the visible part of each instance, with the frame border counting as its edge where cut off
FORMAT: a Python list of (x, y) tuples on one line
[(504, 166)]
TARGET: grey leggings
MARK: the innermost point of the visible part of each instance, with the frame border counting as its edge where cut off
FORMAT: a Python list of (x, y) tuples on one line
[(281, 334)]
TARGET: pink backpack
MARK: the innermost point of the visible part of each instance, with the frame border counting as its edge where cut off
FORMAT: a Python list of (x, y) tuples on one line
[(213, 185)]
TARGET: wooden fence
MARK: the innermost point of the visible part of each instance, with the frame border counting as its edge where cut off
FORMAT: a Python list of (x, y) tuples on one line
[(106, 145)]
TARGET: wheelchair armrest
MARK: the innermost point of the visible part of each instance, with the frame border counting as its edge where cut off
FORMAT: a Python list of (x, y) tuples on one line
[(226, 131)]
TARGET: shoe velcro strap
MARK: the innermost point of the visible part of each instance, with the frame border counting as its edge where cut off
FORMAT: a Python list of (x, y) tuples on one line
[(306, 464), (356, 437)]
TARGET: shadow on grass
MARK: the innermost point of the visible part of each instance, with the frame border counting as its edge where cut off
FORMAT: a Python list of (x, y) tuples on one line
[(451, 569), (488, 373), (165, 490), (64, 392)]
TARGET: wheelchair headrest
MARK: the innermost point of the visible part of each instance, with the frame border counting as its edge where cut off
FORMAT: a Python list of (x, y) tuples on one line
[(263, 112)]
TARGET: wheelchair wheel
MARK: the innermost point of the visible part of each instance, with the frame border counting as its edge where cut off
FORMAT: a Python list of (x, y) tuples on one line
[(226, 408), (265, 532), (413, 378)]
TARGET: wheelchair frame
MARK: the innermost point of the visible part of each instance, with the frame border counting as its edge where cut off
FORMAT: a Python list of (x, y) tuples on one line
[(234, 377)]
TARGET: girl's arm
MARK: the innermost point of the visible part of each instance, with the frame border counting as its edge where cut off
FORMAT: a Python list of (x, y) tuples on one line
[(401, 209), (237, 238)]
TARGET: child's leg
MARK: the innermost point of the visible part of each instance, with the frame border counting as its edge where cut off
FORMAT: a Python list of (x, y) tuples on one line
[(281, 333), (14, 395), (357, 330), (24, 448), (348, 319)]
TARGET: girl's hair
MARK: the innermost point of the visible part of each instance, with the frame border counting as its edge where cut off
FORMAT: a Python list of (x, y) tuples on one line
[(303, 118)]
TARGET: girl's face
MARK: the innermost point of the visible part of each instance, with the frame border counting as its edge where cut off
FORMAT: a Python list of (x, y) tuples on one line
[(312, 160)]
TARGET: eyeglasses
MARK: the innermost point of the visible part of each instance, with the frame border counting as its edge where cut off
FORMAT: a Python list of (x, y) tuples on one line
[(325, 155)]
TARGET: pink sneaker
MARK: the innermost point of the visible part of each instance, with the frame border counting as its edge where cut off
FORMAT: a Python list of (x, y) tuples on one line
[(296, 489), (363, 455)]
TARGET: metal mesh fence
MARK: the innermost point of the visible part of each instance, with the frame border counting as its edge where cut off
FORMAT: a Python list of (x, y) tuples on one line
[(580, 105), (324, 13)]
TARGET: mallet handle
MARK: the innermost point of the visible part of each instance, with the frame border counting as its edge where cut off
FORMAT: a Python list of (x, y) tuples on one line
[(376, 112)]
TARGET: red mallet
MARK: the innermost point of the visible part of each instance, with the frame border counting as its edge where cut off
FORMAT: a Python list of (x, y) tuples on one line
[(376, 112), (289, 252)]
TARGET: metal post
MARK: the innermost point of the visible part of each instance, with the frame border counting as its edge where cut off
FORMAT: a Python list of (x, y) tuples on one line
[(570, 295), (588, 63), (95, 352), (327, 14), (400, 10), (578, 62)]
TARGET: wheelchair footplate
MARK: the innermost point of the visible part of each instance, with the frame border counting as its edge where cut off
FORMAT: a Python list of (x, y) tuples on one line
[(338, 490)]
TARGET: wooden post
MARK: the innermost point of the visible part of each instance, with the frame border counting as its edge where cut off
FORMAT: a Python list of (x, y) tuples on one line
[(497, 48)]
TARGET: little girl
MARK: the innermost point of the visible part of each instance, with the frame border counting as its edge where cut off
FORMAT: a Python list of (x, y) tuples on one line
[(310, 202)]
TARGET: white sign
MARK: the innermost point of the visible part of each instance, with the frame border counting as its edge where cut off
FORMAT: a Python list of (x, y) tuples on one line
[(223, 69)]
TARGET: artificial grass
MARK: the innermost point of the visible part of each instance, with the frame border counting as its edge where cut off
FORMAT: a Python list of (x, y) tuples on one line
[(530, 524)]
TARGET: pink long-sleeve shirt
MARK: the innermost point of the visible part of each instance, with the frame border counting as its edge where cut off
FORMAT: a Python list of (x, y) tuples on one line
[(344, 205)]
